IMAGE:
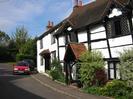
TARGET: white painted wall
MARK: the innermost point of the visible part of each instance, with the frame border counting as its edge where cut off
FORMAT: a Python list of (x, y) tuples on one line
[(106, 67), (99, 35), (61, 40), (82, 36), (62, 53), (47, 42), (46, 45), (97, 29), (99, 32), (40, 68), (120, 41), (86, 45), (104, 52), (115, 51), (100, 44)]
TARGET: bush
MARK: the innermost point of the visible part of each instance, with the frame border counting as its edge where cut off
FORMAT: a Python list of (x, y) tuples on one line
[(56, 71), (21, 57), (115, 88), (92, 90), (90, 63), (126, 67), (100, 77)]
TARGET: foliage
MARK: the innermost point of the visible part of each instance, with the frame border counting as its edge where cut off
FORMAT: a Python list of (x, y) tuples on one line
[(126, 67), (20, 57), (56, 71), (90, 62), (4, 51), (20, 36), (4, 39), (92, 90), (100, 77), (29, 48), (4, 54), (115, 88)]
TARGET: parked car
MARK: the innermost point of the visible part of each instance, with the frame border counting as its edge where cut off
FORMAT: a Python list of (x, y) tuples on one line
[(30, 63), (21, 68)]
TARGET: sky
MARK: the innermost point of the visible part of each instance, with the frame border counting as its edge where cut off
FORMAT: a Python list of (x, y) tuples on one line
[(33, 14)]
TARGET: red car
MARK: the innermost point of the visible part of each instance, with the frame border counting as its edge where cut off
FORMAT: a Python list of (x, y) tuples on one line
[(21, 68)]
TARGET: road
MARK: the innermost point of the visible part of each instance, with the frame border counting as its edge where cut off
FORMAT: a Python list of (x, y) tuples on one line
[(24, 86)]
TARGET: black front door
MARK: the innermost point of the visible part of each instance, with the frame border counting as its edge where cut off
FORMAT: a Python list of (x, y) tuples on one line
[(47, 61)]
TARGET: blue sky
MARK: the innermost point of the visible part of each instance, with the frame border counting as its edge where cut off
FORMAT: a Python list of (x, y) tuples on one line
[(33, 14)]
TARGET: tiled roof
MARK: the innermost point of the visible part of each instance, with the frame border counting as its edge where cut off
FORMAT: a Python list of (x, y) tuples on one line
[(76, 49), (92, 12)]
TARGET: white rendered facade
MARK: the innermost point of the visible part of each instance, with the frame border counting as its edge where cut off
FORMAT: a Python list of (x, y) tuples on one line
[(98, 38)]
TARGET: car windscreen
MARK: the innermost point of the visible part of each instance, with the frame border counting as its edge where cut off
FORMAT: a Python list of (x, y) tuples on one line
[(21, 64)]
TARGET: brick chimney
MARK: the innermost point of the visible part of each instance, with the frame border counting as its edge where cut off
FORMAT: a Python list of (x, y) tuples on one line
[(78, 3), (50, 25)]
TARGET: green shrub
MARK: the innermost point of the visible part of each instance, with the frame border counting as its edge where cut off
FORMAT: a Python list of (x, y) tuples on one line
[(92, 90), (114, 88), (20, 57), (54, 74), (126, 67), (127, 96), (90, 62), (56, 71), (100, 77)]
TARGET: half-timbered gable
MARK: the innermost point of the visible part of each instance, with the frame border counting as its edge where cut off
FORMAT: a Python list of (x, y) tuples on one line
[(103, 25)]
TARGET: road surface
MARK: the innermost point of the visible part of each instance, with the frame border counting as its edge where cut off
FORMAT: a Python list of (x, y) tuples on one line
[(24, 86)]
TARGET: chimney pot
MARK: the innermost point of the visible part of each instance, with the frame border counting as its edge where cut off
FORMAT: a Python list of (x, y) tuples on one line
[(50, 25), (75, 2), (80, 3)]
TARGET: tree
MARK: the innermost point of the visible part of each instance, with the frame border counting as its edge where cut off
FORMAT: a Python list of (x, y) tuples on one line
[(28, 49), (20, 36), (126, 67), (91, 63), (4, 39), (4, 43)]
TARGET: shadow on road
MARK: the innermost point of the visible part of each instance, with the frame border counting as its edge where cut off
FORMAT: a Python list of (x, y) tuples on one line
[(8, 90)]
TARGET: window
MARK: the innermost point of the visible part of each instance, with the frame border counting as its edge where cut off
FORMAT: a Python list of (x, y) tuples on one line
[(74, 37), (113, 71), (53, 55), (52, 39), (41, 43), (117, 27), (41, 61)]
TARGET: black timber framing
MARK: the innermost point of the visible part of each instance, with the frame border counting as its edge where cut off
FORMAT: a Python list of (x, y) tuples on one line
[(77, 36), (58, 48), (89, 39), (110, 55), (62, 46)]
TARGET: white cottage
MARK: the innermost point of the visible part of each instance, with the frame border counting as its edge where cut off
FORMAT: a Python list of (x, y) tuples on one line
[(104, 25)]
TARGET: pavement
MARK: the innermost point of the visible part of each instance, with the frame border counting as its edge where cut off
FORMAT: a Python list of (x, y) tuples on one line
[(64, 89)]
